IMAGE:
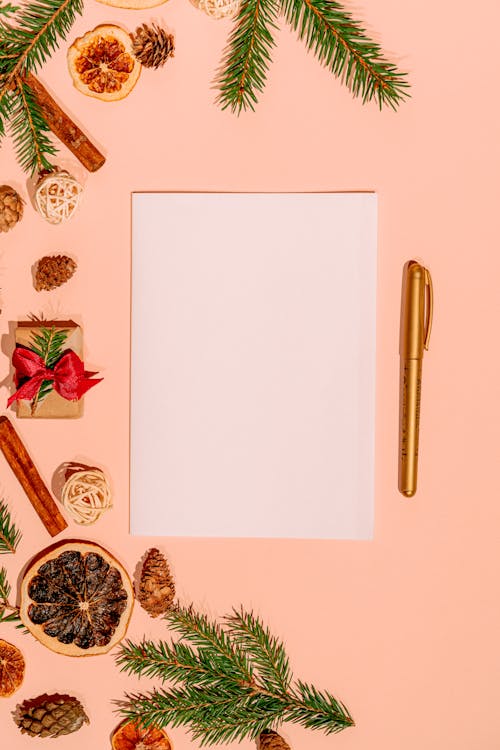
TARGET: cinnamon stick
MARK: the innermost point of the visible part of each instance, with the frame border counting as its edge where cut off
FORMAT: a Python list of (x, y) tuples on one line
[(30, 480), (64, 128)]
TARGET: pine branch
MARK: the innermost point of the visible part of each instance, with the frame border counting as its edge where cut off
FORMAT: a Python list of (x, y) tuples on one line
[(229, 684), (210, 636), (8, 613), (39, 27), (247, 56), (268, 654), (342, 45), (10, 535), (29, 129), (178, 662), (49, 345)]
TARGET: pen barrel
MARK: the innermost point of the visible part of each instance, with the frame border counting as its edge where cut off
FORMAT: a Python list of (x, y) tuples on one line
[(409, 422)]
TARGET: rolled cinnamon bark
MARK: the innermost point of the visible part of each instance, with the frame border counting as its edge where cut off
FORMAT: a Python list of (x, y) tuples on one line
[(64, 128), (26, 473)]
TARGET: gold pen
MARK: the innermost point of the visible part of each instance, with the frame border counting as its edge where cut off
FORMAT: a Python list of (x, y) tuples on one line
[(416, 322)]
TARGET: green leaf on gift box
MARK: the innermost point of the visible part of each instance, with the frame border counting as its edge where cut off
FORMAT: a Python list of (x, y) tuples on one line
[(49, 345)]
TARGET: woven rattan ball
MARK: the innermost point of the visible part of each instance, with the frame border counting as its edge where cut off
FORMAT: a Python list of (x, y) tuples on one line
[(86, 496), (218, 8), (57, 196)]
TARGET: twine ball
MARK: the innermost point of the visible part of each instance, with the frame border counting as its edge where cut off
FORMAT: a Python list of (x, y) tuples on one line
[(218, 9), (57, 196), (86, 495)]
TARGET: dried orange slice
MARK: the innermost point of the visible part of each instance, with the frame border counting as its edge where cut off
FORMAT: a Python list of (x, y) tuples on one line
[(133, 4), (102, 63), (76, 599), (131, 736), (11, 669)]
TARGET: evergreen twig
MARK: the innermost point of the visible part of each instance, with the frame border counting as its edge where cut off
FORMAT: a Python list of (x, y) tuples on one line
[(229, 682), (8, 612), (10, 535), (49, 345), (342, 45), (246, 60), (30, 129)]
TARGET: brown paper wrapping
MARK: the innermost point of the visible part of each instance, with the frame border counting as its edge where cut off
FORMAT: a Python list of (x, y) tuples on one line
[(53, 406)]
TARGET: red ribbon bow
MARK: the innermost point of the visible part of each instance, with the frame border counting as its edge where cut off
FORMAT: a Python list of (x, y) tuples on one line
[(71, 380)]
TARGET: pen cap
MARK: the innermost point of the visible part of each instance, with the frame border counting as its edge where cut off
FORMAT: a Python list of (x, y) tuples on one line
[(413, 311)]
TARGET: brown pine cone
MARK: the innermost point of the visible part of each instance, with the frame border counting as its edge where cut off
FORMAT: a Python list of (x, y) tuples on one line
[(11, 208), (270, 740), (152, 45), (52, 271), (50, 716), (156, 587)]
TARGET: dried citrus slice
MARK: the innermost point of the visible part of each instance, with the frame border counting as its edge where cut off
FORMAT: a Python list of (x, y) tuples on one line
[(133, 4), (131, 736), (102, 63), (11, 669), (76, 599)]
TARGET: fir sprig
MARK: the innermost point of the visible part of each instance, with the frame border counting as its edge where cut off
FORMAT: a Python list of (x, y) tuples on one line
[(8, 613), (342, 45), (29, 128), (10, 535), (25, 45), (229, 682), (49, 345), (247, 57)]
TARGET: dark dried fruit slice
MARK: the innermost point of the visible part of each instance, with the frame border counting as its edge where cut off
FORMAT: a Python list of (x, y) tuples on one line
[(131, 736), (11, 669), (102, 63), (76, 599)]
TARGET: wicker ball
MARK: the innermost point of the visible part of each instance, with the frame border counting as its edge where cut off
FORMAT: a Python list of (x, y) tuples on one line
[(218, 8), (57, 196), (86, 496)]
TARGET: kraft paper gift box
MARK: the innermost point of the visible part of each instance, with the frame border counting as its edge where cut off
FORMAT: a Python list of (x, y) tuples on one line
[(55, 349)]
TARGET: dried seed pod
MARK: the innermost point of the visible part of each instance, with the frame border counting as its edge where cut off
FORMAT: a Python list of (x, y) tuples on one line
[(50, 716), (156, 588), (11, 208), (270, 740), (53, 271), (152, 45)]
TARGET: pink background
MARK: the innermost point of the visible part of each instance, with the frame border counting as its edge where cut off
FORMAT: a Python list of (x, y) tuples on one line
[(404, 629)]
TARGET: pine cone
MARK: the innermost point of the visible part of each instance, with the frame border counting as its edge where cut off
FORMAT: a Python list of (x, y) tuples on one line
[(11, 208), (152, 45), (50, 716), (52, 271), (156, 588), (271, 741)]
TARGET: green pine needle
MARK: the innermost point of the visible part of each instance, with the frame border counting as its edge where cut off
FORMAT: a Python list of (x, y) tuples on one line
[(8, 613), (247, 57), (342, 45), (30, 129), (49, 345), (10, 535), (229, 682)]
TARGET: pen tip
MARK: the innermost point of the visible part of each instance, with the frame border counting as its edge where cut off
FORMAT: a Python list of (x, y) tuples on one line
[(408, 493)]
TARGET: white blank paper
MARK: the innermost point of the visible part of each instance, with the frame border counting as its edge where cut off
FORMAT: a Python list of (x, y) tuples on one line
[(253, 365)]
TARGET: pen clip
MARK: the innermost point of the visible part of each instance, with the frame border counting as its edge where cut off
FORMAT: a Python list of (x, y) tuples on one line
[(429, 306)]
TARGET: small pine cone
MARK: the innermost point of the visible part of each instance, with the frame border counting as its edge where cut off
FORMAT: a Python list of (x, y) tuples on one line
[(50, 716), (271, 741), (156, 587), (11, 208), (52, 271), (152, 45)]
